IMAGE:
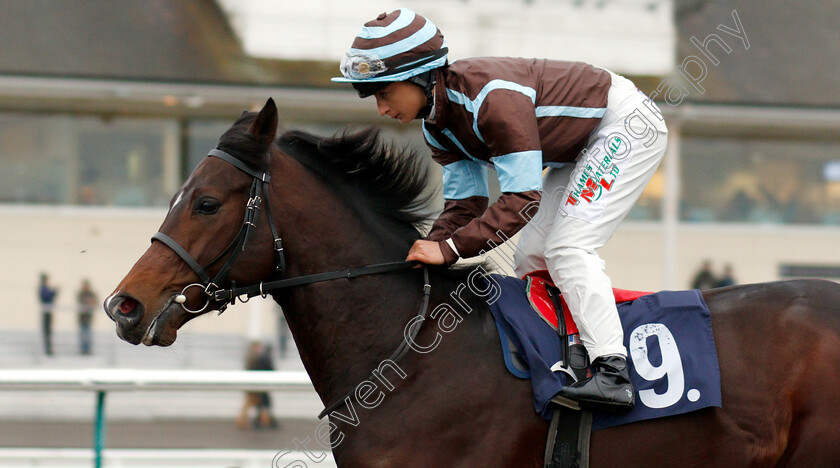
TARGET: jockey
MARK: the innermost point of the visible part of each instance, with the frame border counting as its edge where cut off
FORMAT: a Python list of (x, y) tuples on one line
[(600, 138)]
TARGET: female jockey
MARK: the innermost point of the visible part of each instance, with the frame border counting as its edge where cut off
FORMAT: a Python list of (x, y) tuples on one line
[(600, 138)]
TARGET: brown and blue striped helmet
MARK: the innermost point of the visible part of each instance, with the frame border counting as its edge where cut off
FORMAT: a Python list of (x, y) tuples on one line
[(394, 47)]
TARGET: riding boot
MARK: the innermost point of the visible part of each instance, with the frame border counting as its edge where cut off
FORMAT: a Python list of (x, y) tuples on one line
[(609, 389)]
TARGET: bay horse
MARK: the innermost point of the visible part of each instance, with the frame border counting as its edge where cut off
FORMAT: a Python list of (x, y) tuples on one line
[(335, 204)]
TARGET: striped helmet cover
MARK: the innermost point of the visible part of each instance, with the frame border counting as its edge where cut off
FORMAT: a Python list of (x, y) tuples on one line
[(393, 47)]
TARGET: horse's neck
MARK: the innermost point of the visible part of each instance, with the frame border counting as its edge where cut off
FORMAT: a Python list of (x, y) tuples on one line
[(343, 328), (356, 331)]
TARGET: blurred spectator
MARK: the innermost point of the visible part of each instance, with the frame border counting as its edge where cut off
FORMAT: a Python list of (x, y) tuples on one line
[(87, 301), (258, 359), (727, 278), (704, 278), (46, 296)]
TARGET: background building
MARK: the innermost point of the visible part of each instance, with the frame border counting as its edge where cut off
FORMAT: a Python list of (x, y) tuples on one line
[(105, 107)]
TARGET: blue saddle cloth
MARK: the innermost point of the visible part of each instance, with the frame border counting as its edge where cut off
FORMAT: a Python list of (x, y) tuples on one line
[(672, 358)]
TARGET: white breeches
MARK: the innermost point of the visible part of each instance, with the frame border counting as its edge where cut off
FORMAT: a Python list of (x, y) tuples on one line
[(582, 205)]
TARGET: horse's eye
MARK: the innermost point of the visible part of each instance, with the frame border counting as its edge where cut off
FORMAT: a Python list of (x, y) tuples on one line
[(207, 206)]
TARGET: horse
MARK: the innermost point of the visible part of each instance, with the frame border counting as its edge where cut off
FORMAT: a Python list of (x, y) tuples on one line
[(332, 206)]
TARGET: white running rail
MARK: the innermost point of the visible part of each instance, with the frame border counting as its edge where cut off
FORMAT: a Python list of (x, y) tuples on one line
[(136, 379), (162, 458), (103, 381)]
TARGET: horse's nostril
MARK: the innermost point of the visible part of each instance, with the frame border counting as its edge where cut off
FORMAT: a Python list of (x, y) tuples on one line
[(125, 310), (127, 306)]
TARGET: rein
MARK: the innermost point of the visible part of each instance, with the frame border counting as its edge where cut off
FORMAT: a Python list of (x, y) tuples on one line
[(226, 297)]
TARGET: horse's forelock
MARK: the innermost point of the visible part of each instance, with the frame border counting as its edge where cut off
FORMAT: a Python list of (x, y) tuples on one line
[(239, 143)]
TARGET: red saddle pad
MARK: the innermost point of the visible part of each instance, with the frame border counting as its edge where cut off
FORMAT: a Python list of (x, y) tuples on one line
[(542, 303)]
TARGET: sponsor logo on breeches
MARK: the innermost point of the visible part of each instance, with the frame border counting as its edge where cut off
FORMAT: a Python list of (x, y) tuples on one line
[(596, 177)]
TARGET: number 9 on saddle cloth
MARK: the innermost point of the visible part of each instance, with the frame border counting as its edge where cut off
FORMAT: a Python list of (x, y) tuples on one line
[(671, 350)]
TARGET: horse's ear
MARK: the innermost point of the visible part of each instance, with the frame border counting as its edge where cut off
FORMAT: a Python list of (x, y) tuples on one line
[(265, 125)]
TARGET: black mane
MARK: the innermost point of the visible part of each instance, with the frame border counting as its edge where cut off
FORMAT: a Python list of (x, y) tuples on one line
[(379, 178), (371, 174)]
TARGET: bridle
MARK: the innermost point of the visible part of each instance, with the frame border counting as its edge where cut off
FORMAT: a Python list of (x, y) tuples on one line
[(259, 196), (211, 286)]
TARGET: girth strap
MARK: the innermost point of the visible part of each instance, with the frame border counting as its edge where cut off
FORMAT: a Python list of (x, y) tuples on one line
[(567, 445)]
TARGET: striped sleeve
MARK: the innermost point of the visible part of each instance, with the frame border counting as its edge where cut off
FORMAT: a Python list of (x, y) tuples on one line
[(464, 179), (508, 125), (520, 171)]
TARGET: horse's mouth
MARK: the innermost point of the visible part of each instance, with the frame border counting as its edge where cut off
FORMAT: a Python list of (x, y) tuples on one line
[(158, 333), (163, 329)]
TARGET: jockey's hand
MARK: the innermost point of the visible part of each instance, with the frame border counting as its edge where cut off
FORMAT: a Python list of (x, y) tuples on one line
[(427, 252)]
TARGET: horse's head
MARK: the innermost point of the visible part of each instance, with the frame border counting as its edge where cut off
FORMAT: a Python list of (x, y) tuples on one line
[(211, 221)]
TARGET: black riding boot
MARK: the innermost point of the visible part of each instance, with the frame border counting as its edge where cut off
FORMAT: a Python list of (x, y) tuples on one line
[(609, 389)]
